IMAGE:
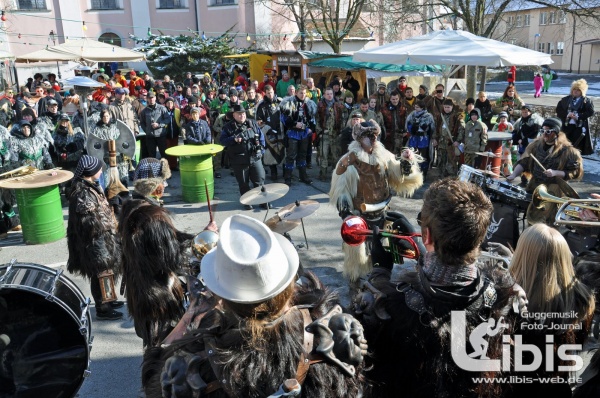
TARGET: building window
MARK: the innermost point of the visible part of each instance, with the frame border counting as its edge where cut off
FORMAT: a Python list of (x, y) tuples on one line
[(543, 18), (562, 17), (560, 48), (519, 21), (105, 5), (172, 4), (32, 5), (542, 47), (110, 38), (526, 19), (223, 2), (551, 48), (511, 20), (552, 17)]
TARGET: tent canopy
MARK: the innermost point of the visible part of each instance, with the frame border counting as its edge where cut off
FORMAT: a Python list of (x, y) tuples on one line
[(85, 51), (452, 47), (388, 69)]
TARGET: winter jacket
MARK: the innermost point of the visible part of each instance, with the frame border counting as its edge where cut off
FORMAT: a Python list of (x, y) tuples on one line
[(197, 133), (155, 114)]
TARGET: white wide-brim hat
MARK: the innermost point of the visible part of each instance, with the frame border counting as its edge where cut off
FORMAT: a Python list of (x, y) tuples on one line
[(250, 264)]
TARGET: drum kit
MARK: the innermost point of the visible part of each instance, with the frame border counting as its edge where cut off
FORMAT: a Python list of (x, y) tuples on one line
[(288, 217), (45, 332), (498, 191)]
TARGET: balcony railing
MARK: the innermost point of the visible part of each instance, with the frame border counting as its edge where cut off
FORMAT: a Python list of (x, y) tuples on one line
[(105, 5), (169, 4), (32, 5)]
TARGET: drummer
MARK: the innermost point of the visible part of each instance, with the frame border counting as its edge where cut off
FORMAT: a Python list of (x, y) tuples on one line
[(246, 146), (559, 160)]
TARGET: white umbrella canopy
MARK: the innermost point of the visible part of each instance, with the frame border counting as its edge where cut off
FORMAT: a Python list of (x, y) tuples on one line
[(453, 47), (85, 51)]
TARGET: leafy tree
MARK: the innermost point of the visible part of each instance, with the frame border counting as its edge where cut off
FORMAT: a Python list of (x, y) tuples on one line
[(175, 55)]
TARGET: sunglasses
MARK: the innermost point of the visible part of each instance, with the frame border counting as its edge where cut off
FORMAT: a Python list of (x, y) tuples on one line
[(547, 132), (439, 91)]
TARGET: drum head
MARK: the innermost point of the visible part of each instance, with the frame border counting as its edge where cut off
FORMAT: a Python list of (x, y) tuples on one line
[(43, 349)]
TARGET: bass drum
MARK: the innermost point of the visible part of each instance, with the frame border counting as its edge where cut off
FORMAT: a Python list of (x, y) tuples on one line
[(44, 333)]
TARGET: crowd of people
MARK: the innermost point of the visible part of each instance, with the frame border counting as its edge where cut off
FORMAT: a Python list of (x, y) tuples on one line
[(262, 319)]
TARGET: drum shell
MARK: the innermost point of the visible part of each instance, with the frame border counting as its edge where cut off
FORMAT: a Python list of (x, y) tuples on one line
[(194, 170), (472, 175), (47, 320), (41, 214)]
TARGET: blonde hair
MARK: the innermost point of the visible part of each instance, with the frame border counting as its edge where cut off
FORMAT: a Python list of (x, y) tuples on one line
[(580, 85), (542, 265)]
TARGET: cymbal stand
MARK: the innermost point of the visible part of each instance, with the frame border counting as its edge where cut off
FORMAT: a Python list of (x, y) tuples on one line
[(304, 232)]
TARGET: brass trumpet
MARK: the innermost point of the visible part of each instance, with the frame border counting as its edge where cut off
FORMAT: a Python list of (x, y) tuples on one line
[(568, 207)]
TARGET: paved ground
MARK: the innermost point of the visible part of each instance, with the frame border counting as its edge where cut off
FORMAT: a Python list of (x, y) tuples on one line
[(117, 351)]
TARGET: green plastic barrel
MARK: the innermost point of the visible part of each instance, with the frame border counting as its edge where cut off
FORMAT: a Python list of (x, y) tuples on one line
[(194, 170), (41, 214)]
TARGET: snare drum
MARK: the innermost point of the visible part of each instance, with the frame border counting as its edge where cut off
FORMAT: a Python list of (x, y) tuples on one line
[(475, 176), (44, 333), (504, 192)]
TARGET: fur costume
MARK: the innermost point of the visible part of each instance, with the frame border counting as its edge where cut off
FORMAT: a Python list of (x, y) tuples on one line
[(249, 368), (346, 189), (107, 132), (91, 232), (561, 156), (153, 254), (29, 151), (574, 129), (145, 186), (409, 327)]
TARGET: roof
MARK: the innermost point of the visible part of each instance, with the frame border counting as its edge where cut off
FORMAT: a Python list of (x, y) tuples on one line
[(357, 32), (349, 64)]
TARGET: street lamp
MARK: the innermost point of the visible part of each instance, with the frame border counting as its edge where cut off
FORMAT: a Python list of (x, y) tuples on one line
[(52, 36)]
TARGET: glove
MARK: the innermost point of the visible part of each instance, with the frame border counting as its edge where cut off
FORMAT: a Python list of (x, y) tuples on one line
[(379, 256)]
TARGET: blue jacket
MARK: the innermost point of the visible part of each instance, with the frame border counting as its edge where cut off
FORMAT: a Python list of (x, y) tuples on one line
[(197, 133)]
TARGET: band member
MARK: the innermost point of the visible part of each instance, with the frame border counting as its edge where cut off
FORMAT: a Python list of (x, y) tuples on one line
[(92, 238), (452, 126), (410, 318), (329, 125), (153, 255), (574, 110), (268, 118), (474, 136), (421, 127), (364, 178), (559, 158), (298, 117), (245, 144), (247, 334)]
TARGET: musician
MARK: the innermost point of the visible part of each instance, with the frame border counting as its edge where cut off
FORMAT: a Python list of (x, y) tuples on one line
[(247, 333), (558, 157), (8, 218), (268, 118), (92, 238), (574, 110), (153, 256), (409, 327), (245, 144), (298, 118), (365, 176)]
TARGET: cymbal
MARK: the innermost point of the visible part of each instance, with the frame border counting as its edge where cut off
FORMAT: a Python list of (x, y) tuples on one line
[(488, 154), (298, 210), (264, 194), (277, 225)]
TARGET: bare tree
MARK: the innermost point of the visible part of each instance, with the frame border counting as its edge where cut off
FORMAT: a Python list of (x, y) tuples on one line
[(332, 20)]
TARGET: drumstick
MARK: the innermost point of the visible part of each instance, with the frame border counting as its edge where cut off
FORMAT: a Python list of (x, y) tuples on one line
[(538, 162), (208, 201)]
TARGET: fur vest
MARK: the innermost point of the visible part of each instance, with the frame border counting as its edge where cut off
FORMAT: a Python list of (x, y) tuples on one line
[(91, 232), (184, 368)]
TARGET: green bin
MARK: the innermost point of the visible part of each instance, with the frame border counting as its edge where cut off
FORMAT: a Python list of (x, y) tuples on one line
[(194, 170), (41, 214)]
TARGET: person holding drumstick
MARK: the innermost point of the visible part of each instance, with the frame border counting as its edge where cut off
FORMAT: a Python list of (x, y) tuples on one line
[(549, 157)]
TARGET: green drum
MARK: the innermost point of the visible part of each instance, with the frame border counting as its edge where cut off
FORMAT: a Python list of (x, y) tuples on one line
[(195, 166), (41, 214), (194, 170)]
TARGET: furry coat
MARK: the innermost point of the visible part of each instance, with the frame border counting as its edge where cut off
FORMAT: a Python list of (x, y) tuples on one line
[(344, 188), (153, 255), (250, 371), (91, 232)]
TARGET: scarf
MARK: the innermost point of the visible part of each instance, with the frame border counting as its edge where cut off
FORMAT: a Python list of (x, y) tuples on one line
[(439, 274)]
